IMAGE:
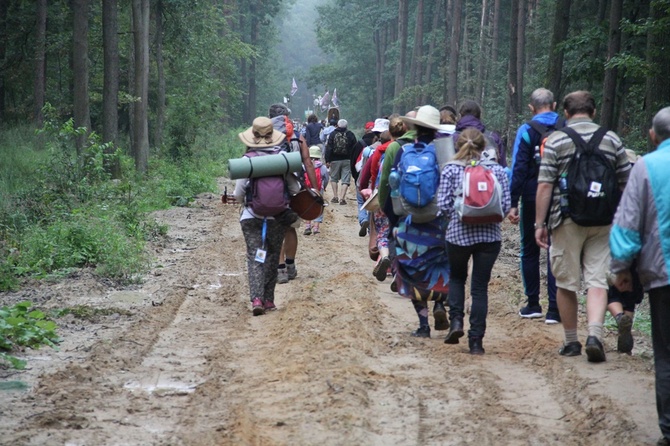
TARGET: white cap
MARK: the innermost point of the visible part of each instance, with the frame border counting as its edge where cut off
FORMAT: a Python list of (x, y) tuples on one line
[(381, 125)]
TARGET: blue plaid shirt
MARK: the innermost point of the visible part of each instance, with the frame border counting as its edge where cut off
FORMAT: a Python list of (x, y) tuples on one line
[(467, 234)]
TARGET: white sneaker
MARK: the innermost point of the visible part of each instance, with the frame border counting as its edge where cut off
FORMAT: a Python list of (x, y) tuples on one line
[(291, 271), (282, 275)]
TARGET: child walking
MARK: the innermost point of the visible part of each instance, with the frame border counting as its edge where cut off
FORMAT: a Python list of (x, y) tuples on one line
[(312, 227)]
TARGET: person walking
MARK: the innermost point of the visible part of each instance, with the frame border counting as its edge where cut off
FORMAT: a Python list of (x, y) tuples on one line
[(481, 242), (339, 147), (641, 231)]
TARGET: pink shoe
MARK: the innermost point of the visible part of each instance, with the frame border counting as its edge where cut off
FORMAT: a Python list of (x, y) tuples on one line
[(257, 307), (269, 306)]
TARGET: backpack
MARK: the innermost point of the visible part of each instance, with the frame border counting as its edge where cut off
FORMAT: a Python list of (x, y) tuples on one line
[(319, 181), (593, 188), (544, 131), (267, 196), (418, 178), (479, 199), (340, 144)]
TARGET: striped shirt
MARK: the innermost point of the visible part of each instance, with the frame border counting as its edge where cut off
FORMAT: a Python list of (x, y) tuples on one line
[(558, 151)]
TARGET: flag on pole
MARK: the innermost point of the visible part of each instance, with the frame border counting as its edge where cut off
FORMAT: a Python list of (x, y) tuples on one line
[(294, 87), (335, 102), (325, 100)]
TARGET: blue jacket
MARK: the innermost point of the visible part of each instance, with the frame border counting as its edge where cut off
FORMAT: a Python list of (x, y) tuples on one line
[(641, 226), (524, 167)]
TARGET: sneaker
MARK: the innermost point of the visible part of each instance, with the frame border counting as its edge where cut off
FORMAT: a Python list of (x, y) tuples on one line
[(476, 347), (529, 312), (335, 200), (624, 343), (343, 202), (291, 271), (552, 318), (257, 306), (381, 268), (421, 332), (308, 231), (440, 315), (394, 286), (571, 349), (282, 275), (594, 350), (269, 306), (364, 229)]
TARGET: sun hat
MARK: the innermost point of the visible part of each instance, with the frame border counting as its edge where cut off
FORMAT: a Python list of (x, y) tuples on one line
[(427, 116), (315, 152), (342, 123), (369, 125), (261, 134), (381, 125)]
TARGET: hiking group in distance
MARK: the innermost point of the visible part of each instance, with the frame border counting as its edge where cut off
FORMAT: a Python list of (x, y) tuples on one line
[(433, 188)]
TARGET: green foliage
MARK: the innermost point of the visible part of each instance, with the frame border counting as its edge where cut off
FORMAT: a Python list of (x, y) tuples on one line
[(23, 326)]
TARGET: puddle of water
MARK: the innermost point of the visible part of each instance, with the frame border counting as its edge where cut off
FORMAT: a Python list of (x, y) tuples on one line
[(162, 388), (215, 286), (128, 297), (13, 386)]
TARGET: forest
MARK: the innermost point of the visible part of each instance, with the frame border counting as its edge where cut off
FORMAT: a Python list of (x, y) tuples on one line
[(112, 108)]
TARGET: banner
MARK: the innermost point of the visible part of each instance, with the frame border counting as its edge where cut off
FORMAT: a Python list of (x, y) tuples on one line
[(294, 87), (335, 101)]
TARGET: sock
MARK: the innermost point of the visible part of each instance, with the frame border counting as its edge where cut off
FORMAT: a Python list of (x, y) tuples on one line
[(421, 311), (571, 335), (618, 317), (282, 266), (596, 329), (290, 261)]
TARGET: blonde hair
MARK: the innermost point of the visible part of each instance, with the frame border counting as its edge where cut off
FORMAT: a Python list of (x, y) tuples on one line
[(470, 145), (396, 127)]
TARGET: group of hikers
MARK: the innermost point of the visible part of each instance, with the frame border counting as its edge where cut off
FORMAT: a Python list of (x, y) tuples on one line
[(433, 188)]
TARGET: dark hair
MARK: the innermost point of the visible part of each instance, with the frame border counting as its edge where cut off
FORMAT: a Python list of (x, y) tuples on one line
[(424, 131), (333, 121), (312, 118), (448, 108), (277, 110), (579, 102), (470, 108)]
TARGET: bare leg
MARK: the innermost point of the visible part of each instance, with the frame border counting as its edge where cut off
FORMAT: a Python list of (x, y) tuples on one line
[(290, 247), (344, 191), (567, 307), (333, 186), (596, 305)]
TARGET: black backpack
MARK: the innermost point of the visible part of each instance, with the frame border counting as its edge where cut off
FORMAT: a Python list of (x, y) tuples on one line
[(593, 188), (340, 144), (544, 131)]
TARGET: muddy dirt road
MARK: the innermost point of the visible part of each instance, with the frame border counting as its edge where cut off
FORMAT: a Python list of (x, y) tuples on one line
[(180, 360)]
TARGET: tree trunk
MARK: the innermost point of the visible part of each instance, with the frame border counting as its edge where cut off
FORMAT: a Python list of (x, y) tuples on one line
[(452, 86), (560, 33), (602, 14), (380, 38), (431, 53), (253, 90), (110, 91), (658, 58), (160, 72), (483, 25), (512, 92), (39, 91), (444, 66), (521, 53), (403, 11), (3, 55), (417, 53), (496, 34), (141, 109), (82, 116), (607, 118)]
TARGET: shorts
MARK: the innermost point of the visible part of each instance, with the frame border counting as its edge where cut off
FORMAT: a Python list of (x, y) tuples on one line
[(578, 251), (340, 170)]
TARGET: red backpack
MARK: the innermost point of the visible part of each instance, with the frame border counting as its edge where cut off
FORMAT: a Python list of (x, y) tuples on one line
[(479, 200)]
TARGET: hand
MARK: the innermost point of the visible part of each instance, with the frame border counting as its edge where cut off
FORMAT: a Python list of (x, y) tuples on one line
[(513, 216), (542, 237), (328, 165), (624, 281), (365, 193)]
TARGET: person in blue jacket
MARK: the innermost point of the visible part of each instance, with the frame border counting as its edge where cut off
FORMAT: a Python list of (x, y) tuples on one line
[(641, 231), (523, 187)]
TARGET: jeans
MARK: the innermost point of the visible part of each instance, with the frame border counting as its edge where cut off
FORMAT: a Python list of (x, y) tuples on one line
[(530, 259), (483, 256), (362, 213), (659, 304)]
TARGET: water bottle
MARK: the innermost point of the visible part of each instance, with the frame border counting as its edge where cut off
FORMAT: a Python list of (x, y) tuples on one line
[(563, 189), (394, 182), (536, 155)]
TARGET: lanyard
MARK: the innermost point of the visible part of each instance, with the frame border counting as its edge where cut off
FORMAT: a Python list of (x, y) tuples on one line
[(265, 231)]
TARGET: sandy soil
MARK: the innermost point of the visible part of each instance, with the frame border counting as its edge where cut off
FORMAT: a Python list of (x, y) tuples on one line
[(179, 360)]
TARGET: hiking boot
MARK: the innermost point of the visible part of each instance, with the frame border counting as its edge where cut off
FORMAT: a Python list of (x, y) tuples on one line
[(282, 275), (269, 306), (531, 312), (440, 315), (476, 347), (394, 286), (364, 229), (335, 200), (381, 268), (624, 343), (571, 349), (552, 318), (422, 332), (257, 306), (291, 271), (594, 350), (308, 231), (343, 202), (455, 332)]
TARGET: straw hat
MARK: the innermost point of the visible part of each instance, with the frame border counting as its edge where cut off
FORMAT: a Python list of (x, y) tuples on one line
[(315, 152), (427, 116), (261, 134)]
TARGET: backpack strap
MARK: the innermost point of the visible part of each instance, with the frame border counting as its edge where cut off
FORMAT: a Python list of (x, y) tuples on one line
[(582, 145), (538, 127)]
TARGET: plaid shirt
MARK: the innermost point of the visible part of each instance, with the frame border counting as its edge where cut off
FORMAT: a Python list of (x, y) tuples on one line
[(465, 234)]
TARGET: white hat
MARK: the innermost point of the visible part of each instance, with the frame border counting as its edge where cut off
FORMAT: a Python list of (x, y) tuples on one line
[(427, 116), (381, 125), (342, 123), (315, 152)]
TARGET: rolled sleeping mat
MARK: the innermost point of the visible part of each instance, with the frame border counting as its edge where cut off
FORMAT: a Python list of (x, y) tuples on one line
[(264, 166)]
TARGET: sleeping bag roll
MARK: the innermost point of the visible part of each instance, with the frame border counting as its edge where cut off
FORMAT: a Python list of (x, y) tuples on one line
[(264, 166)]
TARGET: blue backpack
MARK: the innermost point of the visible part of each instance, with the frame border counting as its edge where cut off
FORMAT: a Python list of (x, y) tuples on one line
[(419, 174)]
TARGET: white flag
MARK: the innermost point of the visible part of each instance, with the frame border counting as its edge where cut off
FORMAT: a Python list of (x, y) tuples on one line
[(294, 87)]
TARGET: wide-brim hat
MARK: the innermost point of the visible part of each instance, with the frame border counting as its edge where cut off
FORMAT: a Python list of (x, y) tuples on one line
[(261, 134), (315, 152), (426, 116)]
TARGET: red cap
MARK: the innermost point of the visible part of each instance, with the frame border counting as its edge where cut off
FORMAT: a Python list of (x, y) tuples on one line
[(369, 125)]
